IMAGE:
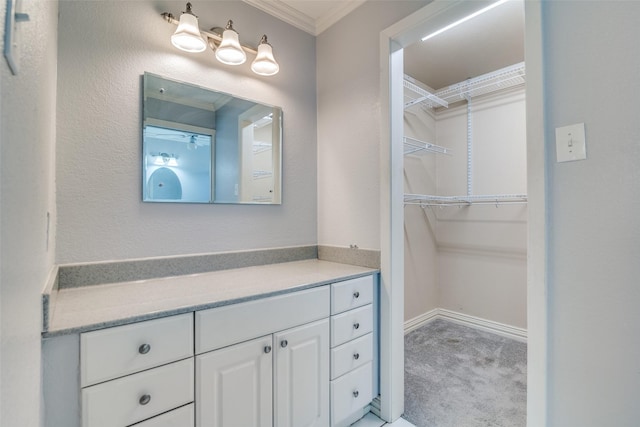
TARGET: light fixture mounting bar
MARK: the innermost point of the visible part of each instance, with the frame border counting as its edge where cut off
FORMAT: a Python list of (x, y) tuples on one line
[(211, 34)]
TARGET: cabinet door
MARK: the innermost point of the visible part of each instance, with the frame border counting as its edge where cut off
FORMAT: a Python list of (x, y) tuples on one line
[(302, 376), (234, 385)]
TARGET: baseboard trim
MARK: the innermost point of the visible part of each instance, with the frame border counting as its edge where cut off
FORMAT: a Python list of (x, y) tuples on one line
[(420, 320), (497, 328)]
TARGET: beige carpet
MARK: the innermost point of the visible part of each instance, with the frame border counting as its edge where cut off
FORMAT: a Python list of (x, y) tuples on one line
[(456, 376)]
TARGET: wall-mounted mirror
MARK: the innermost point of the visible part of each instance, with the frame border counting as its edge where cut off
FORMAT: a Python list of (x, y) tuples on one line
[(203, 146)]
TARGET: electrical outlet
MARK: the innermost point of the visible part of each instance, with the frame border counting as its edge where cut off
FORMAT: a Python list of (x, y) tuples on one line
[(571, 143)]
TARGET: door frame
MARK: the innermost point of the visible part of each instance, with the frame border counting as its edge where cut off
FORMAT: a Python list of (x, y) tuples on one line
[(392, 41)]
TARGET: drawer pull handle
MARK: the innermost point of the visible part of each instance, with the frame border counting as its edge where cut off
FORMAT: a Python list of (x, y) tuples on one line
[(356, 294), (283, 343), (267, 349), (144, 349), (356, 393), (356, 325), (356, 356), (145, 399)]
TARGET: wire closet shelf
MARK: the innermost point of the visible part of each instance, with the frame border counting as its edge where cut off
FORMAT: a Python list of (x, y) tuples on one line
[(502, 79)]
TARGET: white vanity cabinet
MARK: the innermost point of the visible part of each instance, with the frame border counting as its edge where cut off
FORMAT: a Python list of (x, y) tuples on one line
[(301, 358), (351, 349), (279, 379), (135, 372)]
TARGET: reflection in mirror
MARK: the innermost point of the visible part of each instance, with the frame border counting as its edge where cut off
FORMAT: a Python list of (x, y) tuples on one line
[(202, 146)]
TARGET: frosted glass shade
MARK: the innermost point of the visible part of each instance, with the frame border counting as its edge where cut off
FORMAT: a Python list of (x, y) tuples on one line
[(230, 52), (265, 64), (187, 36)]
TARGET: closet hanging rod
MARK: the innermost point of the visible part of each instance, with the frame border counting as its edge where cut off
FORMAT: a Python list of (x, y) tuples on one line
[(424, 200), (413, 146)]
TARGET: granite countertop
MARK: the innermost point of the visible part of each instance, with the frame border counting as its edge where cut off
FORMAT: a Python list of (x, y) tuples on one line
[(88, 308)]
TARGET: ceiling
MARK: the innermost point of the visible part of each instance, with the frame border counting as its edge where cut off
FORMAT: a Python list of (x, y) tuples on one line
[(486, 43)]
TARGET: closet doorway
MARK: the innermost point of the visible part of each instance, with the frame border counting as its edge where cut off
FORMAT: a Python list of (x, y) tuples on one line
[(461, 232), (465, 173)]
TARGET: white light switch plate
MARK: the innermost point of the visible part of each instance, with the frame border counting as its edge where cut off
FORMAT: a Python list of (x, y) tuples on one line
[(571, 143)]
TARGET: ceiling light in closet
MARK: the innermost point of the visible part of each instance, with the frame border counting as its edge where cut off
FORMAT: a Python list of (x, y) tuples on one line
[(224, 42), (463, 20)]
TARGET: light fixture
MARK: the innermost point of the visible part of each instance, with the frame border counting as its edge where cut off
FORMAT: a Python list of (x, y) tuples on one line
[(230, 52), (265, 64), (187, 37), (465, 19), (225, 43)]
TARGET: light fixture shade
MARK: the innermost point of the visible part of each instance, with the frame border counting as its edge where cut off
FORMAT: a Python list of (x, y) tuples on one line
[(265, 64), (187, 36), (230, 52)]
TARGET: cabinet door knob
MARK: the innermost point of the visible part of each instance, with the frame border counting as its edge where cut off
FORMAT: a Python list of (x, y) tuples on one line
[(356, 393), (356, 325), (267, 349), (356, 356), (283, 343), (356, 294), (144, 399), (144, 349)]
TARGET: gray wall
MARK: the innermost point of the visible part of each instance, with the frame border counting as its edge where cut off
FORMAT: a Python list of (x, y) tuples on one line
[(349, 124), (27, 141), (592, 63), (100, 213)]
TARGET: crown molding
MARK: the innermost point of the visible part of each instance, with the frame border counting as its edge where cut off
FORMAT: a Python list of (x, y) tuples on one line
[(301, 20)]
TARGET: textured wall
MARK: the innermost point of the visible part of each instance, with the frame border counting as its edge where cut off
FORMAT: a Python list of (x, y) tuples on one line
[(104, 48), (420, 247), (594, 320), (27, 135), (349, 124)]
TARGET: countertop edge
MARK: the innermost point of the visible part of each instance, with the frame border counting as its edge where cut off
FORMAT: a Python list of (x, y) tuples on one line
[(48, 333)]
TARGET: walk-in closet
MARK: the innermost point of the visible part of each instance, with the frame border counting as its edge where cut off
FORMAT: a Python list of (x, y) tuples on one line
[(465, 202)]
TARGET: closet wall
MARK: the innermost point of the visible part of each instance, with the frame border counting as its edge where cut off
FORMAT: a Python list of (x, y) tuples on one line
[(468, 259)]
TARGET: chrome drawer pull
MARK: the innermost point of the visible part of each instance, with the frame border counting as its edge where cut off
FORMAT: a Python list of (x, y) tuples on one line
[(283, 343), (145, 399), (356, 294), (144, 349), (356, 325), (267, 349), (356, 356), (356, 393)]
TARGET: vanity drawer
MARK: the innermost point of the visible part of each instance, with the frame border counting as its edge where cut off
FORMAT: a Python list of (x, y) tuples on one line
[(350, 393), (351, 294), (351, 355), (121, 402), (351, 324), (222, 326), (181, 417), (114, 352)]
